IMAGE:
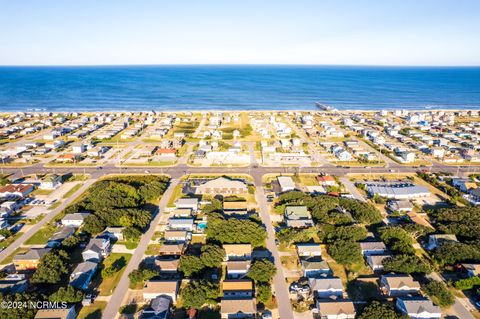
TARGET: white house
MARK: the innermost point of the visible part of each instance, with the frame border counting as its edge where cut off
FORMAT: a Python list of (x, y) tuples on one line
[(51, 181), (338, 309), (326, 287), (74, 220), (394, 285), (418, 308), (286, 183), (155, 288)]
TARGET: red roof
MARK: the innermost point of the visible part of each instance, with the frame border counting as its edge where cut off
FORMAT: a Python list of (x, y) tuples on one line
[(326, 178), (165, 151), (16, 188)]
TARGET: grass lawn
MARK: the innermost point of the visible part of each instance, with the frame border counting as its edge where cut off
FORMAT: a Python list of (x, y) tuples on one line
[(290, 262), (72, 190), (92, 312), (128, 244), (5, 243), (42, 236), (108, 284), (55, 205), (39, 191), (307, 180), (363, 290), (198, 239), (177, 193), (153, 249)]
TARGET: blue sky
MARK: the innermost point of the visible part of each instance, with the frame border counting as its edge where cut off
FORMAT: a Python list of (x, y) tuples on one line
[(363, 32)]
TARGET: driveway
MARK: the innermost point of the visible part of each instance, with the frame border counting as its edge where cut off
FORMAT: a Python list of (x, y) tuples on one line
[(281, 289)]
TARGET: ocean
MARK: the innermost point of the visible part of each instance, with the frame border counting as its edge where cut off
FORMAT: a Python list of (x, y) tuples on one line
[(242, 87)]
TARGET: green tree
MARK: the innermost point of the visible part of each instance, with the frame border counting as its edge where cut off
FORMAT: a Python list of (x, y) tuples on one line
[(71, 242), (439, 293), (330, 233), (235, 231), (212, 256), (378, 310), (452, 252), (467, 283), (198, 293), (264, 293), (52, 268), (406, 264), (140, 275), (68, 294), (19, 312), (262, 270), (362, 212), (190, 265), (295, 235), (397, 239), (109, 193), (131, 233), (345, 252), (93, 225)]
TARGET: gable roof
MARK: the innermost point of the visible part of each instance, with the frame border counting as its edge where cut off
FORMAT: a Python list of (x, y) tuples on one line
[(161, 286), (331, 283), (307, 248), (32, 254), (373, 245), (237, 249), (400, 281), (224, 182), (331, 308), (239, 284), (419, 305), (232, 306)]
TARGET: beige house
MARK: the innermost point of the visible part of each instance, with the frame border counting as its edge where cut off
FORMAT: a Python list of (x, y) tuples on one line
[(341, 309), (238, 251), (222, 186), (155, 288), (238, 308)]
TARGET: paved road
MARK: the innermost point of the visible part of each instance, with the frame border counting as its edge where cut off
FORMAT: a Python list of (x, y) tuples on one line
[(352, 189), (281, 289), (180, 169), (121, 290), (458, 309), (34, 228)]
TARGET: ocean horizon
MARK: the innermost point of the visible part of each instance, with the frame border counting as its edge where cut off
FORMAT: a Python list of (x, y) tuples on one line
[(236, 87)]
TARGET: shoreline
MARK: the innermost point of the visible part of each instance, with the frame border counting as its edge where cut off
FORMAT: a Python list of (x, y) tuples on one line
[(316, 110)]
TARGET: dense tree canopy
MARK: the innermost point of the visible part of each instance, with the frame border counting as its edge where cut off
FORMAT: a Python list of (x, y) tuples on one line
[(198, 293), (262, 271), (264, 293), (190, 265), (330, 233), (361, 211), (439, 293), (345, 252), (68, 294), (19, 312), (453, 252), (52, 268), (324, 208), (212, 256), (108, 194), (235, 231), (397, 239), (378, 310), (295, 235), (406, 264), (462, 221)]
